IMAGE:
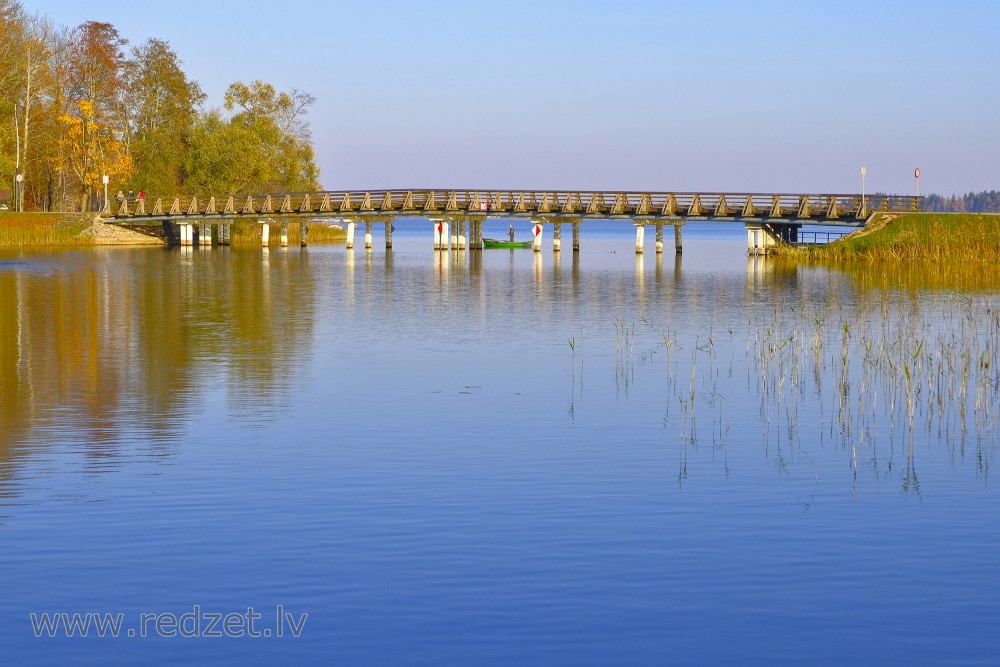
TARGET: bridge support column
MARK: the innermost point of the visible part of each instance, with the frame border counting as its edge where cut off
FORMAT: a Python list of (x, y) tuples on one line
[(350, 234), (204, 235), (227, 233), (475, 233), (659, 238), (576, 236), (303, 232), (454, 234), (678, 243), (461, 239), (640, 237), (556, 236), (388, 234), (440, 233), (284, 234), (265, 233), (537, 229), (368, 234), (187, 234)]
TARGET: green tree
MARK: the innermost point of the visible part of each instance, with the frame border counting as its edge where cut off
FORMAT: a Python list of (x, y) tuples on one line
[(160, 107), (263, 147)]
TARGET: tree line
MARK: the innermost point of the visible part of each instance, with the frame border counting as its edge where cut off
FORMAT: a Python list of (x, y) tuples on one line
[(973, 202), (80, 103)]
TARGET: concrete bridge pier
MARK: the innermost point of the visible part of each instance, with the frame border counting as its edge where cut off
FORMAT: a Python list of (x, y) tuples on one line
[(350, 234), (303, 231), (284, 234), (368, 234), (187, 233), (476, 233), (556, 236), (388, 234), (576, 236), (265, 232), (460, 239), (678, 241), (640, 237), (225, 232), (659, 238)]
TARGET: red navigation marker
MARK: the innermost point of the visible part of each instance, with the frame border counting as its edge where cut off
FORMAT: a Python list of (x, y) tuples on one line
[(916, 173), (538, 230), (440, 228)]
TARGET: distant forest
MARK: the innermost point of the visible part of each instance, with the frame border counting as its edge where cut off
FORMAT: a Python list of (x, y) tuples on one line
[(974, 202)]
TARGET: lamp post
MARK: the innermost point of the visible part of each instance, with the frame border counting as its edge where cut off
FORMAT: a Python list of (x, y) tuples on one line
[(18, 185), (864, 207), (105, 179)]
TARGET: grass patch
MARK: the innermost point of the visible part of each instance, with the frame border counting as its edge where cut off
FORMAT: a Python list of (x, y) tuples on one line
[(923, 237)]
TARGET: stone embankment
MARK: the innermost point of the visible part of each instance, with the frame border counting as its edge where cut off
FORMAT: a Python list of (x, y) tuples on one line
[(105, 234)]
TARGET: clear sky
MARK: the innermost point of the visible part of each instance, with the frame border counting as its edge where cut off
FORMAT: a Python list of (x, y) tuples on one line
[(760, 96)]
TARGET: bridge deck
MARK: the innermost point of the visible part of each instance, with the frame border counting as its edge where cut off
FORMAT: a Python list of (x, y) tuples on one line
[(844, 209)]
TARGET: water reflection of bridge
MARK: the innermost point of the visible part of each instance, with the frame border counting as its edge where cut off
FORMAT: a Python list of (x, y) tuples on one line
[(769, 218)]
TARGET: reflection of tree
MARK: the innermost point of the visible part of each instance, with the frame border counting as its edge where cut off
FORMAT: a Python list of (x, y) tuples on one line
[(117, 347)]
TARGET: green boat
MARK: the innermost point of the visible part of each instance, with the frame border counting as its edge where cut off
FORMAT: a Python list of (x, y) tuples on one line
[(497, 243)]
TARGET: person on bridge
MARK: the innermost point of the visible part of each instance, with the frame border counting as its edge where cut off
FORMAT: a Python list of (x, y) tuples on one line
[(119, 197), (510, 233)]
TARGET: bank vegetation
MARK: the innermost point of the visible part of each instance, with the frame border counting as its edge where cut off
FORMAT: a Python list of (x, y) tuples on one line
[(923, 237)]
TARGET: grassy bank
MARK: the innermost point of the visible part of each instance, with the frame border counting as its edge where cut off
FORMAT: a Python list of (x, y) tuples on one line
[(20, 230), (23, 230), (926, 237)]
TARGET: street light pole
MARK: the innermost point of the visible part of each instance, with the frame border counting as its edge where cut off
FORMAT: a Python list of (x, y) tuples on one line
[(18, 185), (864, 207)]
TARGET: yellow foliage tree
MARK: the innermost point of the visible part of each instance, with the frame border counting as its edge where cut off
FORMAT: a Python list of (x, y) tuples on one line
[(92, 151)]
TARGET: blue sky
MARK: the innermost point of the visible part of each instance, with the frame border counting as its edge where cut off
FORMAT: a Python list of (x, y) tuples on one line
[(632, 94)]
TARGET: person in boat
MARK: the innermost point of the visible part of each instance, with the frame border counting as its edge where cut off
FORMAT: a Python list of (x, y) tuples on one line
[(510, 233)]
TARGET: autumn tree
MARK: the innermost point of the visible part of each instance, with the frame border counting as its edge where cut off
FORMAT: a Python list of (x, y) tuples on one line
[(94, 83), (12, 20)]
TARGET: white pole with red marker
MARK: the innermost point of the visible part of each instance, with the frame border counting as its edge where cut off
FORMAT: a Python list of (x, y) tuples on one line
[(437, 234), (916, 179), (537, 231)]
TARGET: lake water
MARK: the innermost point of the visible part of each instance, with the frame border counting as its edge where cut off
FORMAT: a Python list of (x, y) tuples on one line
[(498, 458)]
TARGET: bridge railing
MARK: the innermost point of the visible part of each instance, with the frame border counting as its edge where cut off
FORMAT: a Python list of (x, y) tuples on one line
[(529, 202)]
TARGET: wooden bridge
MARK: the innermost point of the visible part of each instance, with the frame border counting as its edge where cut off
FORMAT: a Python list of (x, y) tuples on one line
[(769, 218)]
